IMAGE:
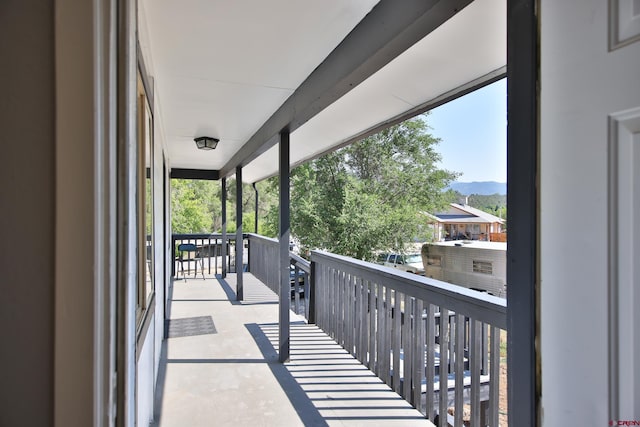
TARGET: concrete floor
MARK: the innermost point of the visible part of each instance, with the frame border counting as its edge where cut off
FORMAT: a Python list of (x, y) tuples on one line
[(233, 377)]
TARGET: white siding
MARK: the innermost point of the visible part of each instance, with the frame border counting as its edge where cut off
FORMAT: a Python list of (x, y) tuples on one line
[(457, 267)]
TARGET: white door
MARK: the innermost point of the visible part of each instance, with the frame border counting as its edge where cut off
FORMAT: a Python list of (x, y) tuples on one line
[(590, 211)]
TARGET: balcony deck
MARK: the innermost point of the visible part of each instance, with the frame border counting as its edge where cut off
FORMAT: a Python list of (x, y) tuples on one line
[(233, 377)]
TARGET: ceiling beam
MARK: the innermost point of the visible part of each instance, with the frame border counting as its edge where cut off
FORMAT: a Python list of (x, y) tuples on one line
[(386, 32), (211, 175)]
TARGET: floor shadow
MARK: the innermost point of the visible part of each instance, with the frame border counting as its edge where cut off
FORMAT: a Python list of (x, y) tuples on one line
[(169, 299), (303, 406), (328, 383), (228, 290)]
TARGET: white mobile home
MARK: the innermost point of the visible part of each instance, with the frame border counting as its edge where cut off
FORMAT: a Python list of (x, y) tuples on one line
[(473, 264)]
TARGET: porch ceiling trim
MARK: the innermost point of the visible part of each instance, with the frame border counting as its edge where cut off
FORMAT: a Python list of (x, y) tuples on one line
[(385, 33), (180, 173)]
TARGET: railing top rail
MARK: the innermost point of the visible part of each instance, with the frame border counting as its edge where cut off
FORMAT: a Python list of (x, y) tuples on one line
[(300, 262), (259, 237), (478, 305), (296, 260), (184, 236)]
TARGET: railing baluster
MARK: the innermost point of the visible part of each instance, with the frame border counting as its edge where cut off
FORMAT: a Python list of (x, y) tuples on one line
[(387, 334), (419, 356), (485, 359), (475, 356), (407, 346), (336, 305), (296, 289), (372, 326), (340, 301), (430, 326), (327, 294), (494, 384), (357, 317), (328, 301), (319, 286), (443, 394), (379, 332), (450, 321), (216, 252), (344, 305), (459, 369), (363, 331), (332, 309), (384, 348), (397, 338), (310, 305), (322, 296), (353, 309), (348, 311)]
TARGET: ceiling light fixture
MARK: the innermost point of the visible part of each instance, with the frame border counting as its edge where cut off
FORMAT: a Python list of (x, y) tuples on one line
[(206, 142)]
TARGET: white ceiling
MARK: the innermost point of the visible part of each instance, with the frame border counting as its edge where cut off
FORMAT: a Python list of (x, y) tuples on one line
[(222, 68)]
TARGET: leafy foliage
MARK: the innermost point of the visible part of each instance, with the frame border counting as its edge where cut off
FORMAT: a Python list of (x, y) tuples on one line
[(367, 197), (492, 203), (196, 206), (371, 195)]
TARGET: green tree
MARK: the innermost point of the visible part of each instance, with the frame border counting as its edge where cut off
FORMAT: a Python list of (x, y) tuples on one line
[(195, 206), (371, 195), (495, 204)]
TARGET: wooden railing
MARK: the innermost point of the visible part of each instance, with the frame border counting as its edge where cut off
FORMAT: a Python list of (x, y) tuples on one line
[(264, 265), (436, 344), (209, 251)]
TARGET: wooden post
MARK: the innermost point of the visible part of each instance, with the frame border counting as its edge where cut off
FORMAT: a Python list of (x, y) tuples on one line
[(239, 243), (284, 235)]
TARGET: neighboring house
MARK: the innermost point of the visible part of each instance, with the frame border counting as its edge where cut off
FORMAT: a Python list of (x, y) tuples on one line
[(476, 265), (462, 222)]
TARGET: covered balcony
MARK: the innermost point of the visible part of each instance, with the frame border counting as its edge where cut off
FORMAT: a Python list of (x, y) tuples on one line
[(367, 345), (273, 87), (102, 103)]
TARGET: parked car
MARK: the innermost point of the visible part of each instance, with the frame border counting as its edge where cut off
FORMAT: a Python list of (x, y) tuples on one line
[(411, 263)]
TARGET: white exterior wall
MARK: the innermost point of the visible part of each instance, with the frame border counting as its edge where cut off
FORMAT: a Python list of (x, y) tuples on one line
[(145, 380), (149, 358)]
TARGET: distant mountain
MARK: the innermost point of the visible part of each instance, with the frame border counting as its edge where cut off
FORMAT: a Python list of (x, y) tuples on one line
[(483, 188)]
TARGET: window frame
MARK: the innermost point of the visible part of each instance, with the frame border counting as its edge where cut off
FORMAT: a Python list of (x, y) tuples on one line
[(480, 266), (145, 292)]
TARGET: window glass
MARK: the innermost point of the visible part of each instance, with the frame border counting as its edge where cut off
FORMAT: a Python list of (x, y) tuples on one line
[(413, 259), (145, 200), (484, 267)]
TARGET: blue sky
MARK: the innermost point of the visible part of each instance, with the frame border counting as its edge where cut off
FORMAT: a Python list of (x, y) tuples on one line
[(473, 130)]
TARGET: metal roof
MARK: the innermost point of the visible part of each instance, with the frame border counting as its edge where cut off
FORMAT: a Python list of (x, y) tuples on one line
[(458, 214)]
